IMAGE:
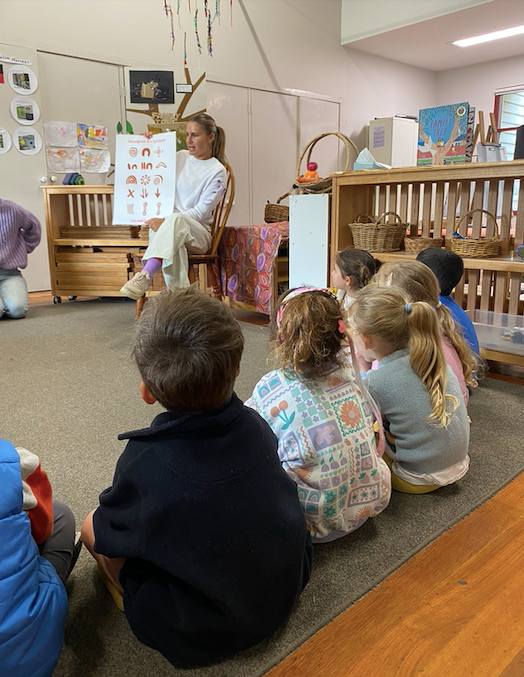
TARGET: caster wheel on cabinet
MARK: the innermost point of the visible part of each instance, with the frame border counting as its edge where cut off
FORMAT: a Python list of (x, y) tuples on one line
[(71, 298), (57, 299)]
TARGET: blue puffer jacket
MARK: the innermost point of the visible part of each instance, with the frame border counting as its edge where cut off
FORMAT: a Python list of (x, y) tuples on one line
[(33, 600)]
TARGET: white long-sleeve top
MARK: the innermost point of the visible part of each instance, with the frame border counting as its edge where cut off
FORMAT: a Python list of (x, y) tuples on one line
[(200, 185)]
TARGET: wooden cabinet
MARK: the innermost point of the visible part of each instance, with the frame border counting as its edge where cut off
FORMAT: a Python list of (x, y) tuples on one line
[(432, 200), (87, 255)]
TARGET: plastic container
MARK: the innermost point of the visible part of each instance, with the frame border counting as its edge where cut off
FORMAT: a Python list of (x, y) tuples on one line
[(500, 331)]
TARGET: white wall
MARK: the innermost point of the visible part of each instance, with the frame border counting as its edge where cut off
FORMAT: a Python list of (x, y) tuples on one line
[(273, 43), (364, 18), (477, 84)]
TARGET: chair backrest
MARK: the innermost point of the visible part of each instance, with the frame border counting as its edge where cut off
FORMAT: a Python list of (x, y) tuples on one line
[(221, 212)]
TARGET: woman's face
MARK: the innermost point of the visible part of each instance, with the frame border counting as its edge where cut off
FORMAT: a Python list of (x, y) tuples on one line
[(199, 142)]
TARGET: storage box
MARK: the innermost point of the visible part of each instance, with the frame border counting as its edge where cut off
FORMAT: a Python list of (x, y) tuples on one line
[(500, 331), (393, 141)]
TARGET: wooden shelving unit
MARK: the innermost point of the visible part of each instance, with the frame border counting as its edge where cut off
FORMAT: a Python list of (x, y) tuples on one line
[(432, 200)]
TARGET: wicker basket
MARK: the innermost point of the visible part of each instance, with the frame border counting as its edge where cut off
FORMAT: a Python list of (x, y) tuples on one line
[(324, 185), (275, 212), (418, 244), (481, 247), (376, 235)]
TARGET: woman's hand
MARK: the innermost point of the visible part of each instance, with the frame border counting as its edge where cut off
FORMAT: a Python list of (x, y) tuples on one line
[(148, 135), (154, 224)]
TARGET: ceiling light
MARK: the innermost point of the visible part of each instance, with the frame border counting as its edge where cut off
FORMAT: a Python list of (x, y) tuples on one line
[(487, 37)]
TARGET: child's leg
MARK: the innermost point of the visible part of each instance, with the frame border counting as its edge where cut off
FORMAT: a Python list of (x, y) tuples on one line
[(398, 484), (59, 549), (13, 295), (151, 266), (110, 566)]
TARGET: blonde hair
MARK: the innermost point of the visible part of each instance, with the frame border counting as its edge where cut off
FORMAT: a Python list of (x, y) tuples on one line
[(219, 136), (419, 283), (383, 312), (307, 333)]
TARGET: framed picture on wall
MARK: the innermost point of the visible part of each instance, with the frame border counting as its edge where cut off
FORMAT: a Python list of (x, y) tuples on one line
[(25, 111), (151, 87), (5, 141)]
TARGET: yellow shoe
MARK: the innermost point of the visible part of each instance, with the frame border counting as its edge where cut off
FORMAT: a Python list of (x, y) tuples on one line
[(113, 590)]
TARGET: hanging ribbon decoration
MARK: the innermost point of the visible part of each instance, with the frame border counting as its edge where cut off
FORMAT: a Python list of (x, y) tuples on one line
[(217, 11), (178, 12), (209, 32), (199, 45), (169, 13), (231, 11), (185, 49)]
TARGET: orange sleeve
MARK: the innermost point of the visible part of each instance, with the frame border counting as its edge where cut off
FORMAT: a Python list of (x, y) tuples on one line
[(41, 516)]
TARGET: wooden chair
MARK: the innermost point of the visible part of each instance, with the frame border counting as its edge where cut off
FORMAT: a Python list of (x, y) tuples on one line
[(204, 268)]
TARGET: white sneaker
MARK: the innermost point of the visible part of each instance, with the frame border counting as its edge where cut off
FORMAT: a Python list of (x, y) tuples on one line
[(137, 286)]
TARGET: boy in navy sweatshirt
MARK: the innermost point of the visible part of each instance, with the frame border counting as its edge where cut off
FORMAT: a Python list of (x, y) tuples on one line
[(202, 530)]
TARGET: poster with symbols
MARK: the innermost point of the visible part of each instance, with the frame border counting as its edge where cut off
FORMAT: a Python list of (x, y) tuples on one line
[(145, 171)]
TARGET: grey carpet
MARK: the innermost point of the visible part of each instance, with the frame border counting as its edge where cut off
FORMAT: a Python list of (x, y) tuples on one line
[(69, 387)]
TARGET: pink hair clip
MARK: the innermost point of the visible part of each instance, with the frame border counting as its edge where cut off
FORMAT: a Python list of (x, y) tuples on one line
[(342, 327)]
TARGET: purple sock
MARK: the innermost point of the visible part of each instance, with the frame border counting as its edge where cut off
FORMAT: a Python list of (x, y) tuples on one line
[(151, 266)]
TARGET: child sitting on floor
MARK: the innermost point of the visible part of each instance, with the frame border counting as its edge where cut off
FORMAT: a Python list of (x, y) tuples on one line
[(352, 271), (418, 395), (37, 553), (316, 405), (201, 531), (448, 268), (419, 284)]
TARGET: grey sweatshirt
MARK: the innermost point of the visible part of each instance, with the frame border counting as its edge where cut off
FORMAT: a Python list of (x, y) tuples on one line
[(421, 446)]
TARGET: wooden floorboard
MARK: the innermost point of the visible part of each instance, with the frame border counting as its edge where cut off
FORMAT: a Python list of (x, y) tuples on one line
[(454, 609)]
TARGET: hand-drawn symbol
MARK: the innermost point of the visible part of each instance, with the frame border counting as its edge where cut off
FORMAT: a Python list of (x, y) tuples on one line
[(157, 192), (131, 179), (144, 194), (147, 165), (132, 165), (157, 179), (161, 164), (158, 207), (130, 193), (144, 208), (133, 151), (158, 151), (145, 180), (130, 208), (146, 152)]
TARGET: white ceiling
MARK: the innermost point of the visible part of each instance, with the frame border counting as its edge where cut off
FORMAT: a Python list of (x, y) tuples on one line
[(427, 44)]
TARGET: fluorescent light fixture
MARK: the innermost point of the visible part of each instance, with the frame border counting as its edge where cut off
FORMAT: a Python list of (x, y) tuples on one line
[(488, 37)]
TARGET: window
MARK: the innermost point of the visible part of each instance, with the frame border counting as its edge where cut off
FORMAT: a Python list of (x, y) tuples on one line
[(509, 111)]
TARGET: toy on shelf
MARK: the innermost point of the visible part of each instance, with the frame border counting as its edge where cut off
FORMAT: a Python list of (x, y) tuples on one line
[(310, 175)]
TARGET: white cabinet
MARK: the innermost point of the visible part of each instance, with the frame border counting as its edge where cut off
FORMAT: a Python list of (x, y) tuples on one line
[(394, 141)]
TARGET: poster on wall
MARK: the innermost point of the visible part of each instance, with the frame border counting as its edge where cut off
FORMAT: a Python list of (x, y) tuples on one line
[(61, 134), (144, 178), (2, 79), (25, 111), (22, 80), (62, 160), (27, 141), (94, 160), (151, 86), (5, 141), (91, 136), (442, 134)]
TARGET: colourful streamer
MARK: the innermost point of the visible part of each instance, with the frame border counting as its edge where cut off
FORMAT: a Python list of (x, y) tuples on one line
[(231, 11), (217, 11), (196, 32), (169, 13), (185, 49), (209, 35)]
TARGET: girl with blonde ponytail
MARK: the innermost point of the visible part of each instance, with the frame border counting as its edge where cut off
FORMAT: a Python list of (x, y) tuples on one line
[(417, 393), (419, 283)]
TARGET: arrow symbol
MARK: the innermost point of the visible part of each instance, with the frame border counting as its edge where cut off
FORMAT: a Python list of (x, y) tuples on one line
[(157, 193)]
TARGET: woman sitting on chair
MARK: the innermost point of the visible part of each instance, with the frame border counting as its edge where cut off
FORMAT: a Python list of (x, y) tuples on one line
[(200, 184)]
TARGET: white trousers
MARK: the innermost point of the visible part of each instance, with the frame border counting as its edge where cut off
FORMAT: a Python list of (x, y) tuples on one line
[(178, 235)]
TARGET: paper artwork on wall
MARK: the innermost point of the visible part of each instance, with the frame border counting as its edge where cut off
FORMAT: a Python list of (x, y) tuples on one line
[(62, 160), (95, 161), (91, 136), (2, 79), (442, 134), (25, 111), (5, 141), (27, 141), (144, 178), (22, 80), (61, 134)]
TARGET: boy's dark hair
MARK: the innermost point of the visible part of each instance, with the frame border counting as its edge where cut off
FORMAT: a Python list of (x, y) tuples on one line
[(447, 266), (188, 348), (358, 264)]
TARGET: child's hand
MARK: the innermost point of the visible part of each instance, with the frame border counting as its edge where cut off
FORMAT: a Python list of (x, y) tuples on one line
[(154, 223), (148, 135)]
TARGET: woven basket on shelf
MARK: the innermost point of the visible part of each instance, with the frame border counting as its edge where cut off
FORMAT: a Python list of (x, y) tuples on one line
[(275, 212), (418, 244), (477, 247), (323, 185), (375, 235)]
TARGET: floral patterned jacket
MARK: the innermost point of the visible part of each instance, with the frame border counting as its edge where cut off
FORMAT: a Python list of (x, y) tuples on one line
[(327, 445)]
